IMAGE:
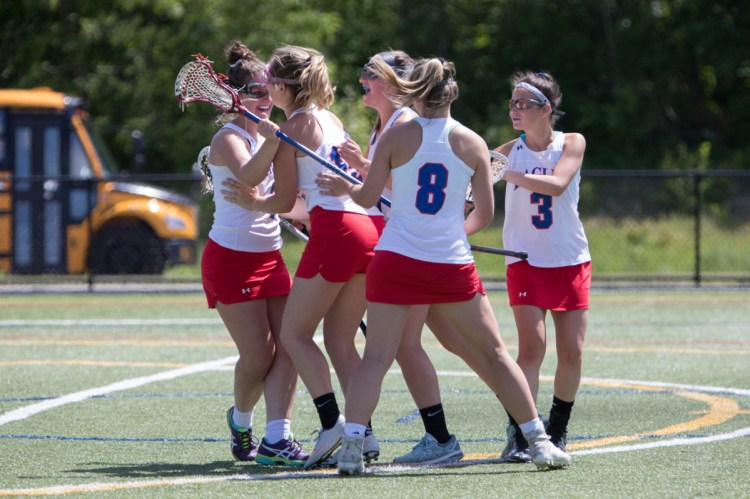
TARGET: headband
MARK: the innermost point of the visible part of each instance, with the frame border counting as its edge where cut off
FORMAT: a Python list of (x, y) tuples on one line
[(537, 93), (268, 78)]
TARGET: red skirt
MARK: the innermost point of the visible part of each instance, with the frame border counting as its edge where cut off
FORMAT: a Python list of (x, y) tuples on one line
[(341, 244), (231, 276), (398, 279), (556, 288)]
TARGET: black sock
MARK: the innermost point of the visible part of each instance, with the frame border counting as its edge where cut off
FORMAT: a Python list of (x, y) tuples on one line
[(328, 410), (511, 421), (559, 415), (369, 427), (433, 419)]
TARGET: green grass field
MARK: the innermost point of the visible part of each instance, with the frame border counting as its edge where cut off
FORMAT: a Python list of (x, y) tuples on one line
[(121, 395)]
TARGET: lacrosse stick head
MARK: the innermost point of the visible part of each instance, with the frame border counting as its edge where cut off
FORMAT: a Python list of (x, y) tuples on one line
[(197, 81), (498, 166)]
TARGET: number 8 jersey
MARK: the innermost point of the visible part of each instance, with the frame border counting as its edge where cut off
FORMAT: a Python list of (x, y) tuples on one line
[(546, 226), (426, 221)]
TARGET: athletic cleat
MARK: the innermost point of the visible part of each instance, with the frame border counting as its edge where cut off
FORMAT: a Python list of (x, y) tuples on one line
[(370, 451), (560, 441), (243, 444), (331, 461), (351, 461), (545, 455), (325, 445), (429, 451), (516, 449), (285, 452), (370, 448)]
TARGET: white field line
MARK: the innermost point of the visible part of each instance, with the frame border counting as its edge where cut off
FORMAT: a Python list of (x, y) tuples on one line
[(379, 469), (25, 412), (30, 410), (742, 432)]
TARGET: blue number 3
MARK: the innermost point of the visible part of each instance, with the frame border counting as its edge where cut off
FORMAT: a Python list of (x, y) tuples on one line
[(544, 209), (432, 180)]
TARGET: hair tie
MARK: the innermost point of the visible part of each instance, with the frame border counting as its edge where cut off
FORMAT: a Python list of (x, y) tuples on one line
[(234, 65)]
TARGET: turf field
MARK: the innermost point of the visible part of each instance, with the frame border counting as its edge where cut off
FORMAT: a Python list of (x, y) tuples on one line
[(125, 395)]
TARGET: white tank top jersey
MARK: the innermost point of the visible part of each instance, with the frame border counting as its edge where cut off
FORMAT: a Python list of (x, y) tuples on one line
[(547, 227), (309, 168), (235, 227), (374, 137), (426, 221)]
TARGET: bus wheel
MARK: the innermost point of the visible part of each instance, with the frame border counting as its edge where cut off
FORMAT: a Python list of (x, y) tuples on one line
[(127, 249)]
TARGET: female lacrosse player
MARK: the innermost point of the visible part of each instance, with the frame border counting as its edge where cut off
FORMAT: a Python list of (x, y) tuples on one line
[(329, 283), (541, 216), (437, 445), (244, 275), (423, 256)]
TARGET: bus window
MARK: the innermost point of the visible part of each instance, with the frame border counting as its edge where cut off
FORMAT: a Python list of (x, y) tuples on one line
[(23, 158), (82, 197)]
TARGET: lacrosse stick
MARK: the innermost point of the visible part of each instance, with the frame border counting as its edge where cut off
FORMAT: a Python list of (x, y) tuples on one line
[(498, 166), (197, 81)]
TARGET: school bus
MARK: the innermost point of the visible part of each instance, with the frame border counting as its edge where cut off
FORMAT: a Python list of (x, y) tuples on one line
[(60, 210)]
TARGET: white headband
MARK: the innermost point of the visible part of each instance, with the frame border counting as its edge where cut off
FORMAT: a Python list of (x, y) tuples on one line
[(538, 93)]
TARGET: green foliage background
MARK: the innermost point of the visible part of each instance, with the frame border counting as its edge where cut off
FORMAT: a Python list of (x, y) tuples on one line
[(659, 84)]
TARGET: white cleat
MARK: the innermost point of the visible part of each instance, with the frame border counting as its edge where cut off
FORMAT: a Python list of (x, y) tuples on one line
[(326, 444), (351, 461)]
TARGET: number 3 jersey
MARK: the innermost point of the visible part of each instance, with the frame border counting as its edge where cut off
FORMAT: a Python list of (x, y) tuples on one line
[(426, 221), (547, 227)]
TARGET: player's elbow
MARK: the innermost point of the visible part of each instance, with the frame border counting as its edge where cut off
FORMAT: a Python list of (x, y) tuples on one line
[(485, 219), (286, 205)]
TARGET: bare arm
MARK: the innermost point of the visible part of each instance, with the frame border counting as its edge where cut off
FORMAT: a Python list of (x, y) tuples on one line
[(567, 167), (256, 169), (472, 150), (285, 183)]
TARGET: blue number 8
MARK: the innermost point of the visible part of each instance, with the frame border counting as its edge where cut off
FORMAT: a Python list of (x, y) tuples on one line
[(432, 180)]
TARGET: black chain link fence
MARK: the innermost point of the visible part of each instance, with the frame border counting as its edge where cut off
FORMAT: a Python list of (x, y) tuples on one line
[(644, 228)]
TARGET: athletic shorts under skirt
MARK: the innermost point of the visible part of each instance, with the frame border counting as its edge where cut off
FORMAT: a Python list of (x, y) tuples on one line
[(341, 244), (397, 279), (231, 276), (556, 288)]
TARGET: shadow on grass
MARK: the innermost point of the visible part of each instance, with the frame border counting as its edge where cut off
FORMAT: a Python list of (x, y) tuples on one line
[(251, 471), (176, 470)]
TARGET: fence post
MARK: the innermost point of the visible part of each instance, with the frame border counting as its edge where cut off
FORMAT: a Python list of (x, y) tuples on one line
[(91, 185), (698, 205)]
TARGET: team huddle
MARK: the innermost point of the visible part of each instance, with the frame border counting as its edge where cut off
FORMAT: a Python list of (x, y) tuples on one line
[(407, 265)]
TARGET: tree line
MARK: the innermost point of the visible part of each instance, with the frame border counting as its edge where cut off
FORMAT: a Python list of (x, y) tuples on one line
[(663, 84)]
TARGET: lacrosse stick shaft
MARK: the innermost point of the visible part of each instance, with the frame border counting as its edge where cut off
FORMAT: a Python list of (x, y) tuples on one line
[(286, 138), (498, 251)]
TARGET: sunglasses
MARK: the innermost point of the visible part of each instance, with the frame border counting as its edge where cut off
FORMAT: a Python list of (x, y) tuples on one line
[(524, 103), (254, 90), (366, 73)]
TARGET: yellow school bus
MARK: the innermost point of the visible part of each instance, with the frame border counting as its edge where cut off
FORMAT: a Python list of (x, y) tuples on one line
[(61, 213)]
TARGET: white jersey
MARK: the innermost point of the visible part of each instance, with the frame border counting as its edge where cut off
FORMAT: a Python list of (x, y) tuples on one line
[(547, 227), (375, 136), (309, 168), (235, 227), (426, 221)]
